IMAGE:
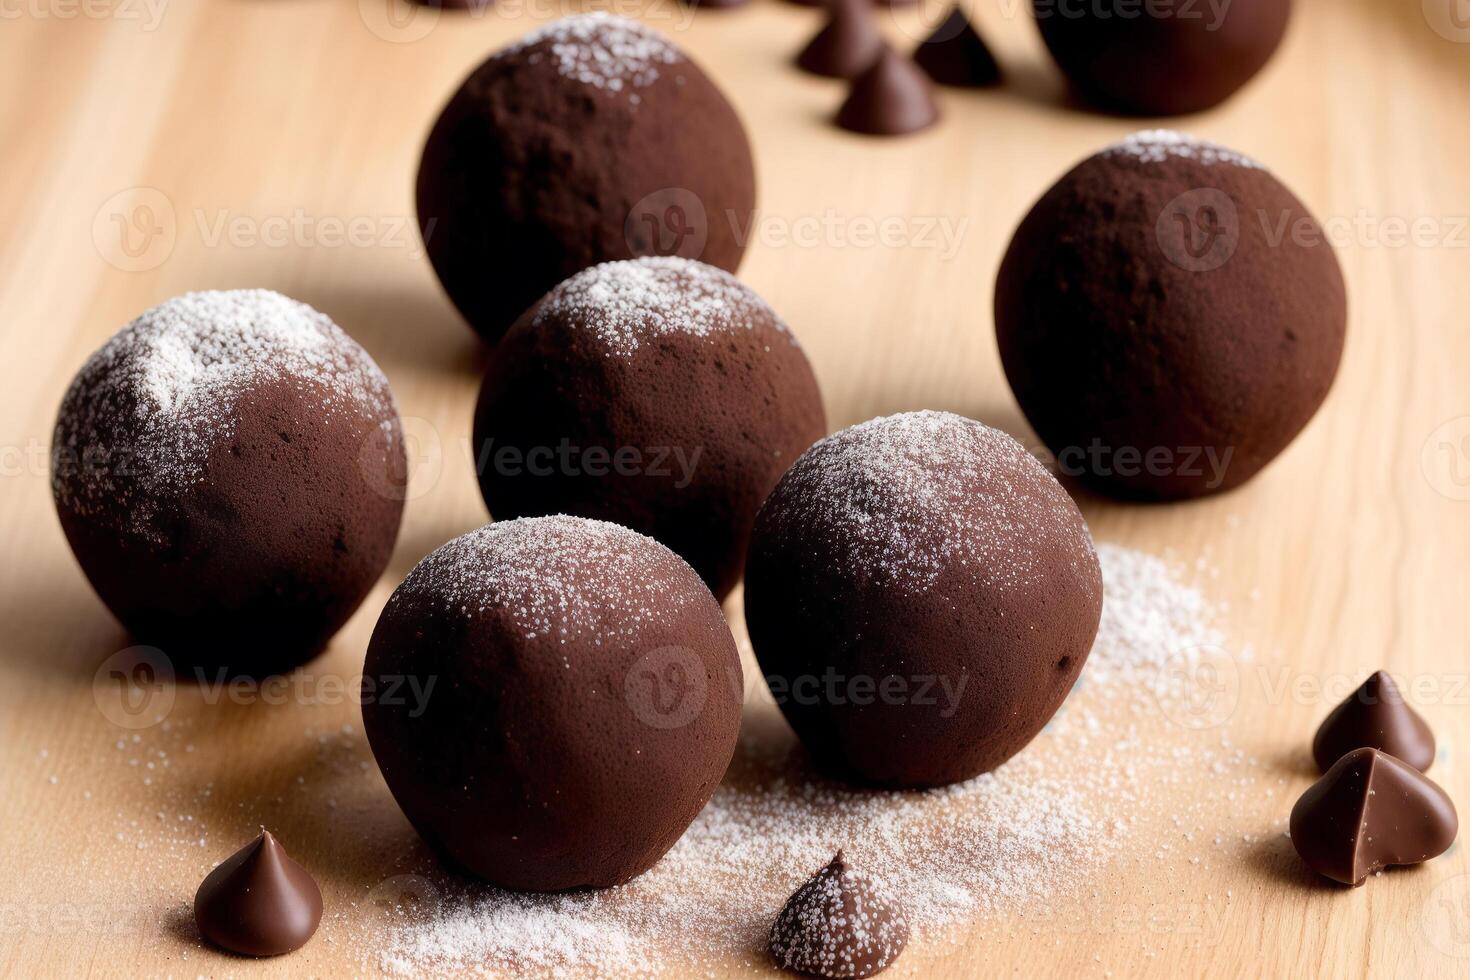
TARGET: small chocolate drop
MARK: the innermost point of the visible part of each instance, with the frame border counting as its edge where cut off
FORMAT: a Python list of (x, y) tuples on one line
[(890, 98), (847, 46), (258, 902), (841, 923), (1377, 716), (1371, 811), (956, 55)]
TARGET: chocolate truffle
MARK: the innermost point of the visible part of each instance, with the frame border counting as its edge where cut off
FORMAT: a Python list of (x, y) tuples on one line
[(1375, 715), (921, 596), (657, 393), (841, 923), (258, 901), (1169, 317), (569, 697), (229, 470), (592, 138), (1163, 60), (1368, 812)]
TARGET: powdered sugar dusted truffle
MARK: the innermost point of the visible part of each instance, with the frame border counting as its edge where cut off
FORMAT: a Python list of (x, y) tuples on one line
[(593, 138), (1163, 59), (921, 594), (1169, 317), (659, 393), (229, 470), (578, 700), (841, 923)]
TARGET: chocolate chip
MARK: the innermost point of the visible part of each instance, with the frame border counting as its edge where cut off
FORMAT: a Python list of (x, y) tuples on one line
[(258, 901), (847, 46), (1377, 716), (955, 54), (841, 923), (890, 98), (1368, 812)]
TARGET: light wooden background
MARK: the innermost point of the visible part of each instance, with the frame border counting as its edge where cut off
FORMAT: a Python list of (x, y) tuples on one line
[(258, 112)]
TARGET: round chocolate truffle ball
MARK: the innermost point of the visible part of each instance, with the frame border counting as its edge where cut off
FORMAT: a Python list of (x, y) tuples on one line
[(921, 595), (1161, 60), (658, 393), (229, 470), (592, 138), (569, 698), (1169, 317)]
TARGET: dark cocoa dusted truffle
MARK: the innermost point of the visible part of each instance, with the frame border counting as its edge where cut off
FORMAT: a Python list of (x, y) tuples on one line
[(229, 470), (657, 393), (841, 923), (592, 138), (571, 698), (1169, 317), (921, 595), (1163, 59)]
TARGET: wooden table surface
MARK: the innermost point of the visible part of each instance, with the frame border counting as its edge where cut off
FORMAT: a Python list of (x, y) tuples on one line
[(150, 148)]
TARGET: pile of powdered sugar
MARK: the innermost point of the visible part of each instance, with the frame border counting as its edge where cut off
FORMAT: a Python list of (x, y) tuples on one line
[(1037, 831), (600, 50), (1157, 145), (627, 303), (142, 416)]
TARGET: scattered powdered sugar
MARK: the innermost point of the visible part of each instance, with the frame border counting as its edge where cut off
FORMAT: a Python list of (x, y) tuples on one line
[(1158, 605), (1036, 834), (600, 50), (142, 416), (1157, 145), (564, 576), (908, 496), (626, 303)]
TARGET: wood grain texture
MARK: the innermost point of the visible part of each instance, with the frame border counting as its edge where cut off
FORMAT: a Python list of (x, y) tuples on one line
[(295, 117)]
